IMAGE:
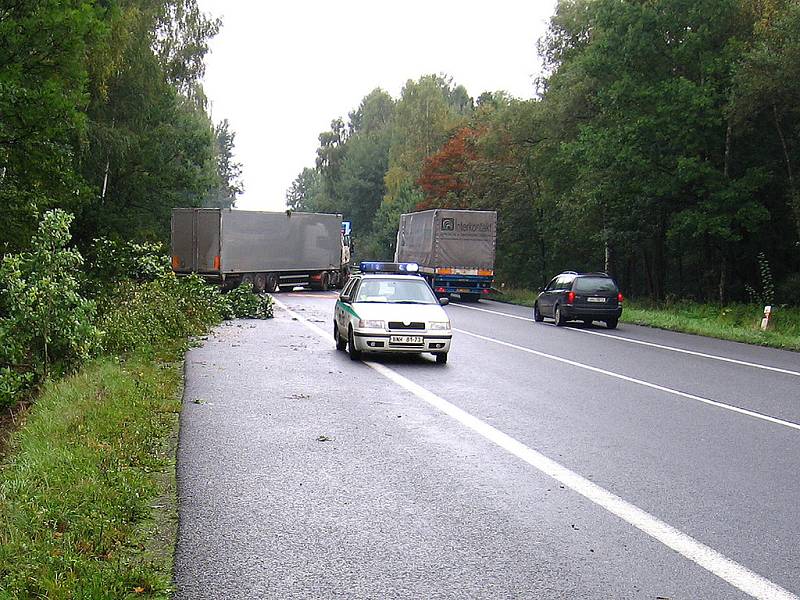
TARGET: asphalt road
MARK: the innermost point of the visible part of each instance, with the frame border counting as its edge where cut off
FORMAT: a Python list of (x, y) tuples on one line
[(540, 462)]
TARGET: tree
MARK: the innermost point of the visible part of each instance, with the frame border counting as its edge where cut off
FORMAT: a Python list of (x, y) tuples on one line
[(229, 171)]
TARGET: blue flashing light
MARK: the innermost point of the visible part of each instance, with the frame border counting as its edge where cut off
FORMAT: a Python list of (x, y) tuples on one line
[(388, 267)]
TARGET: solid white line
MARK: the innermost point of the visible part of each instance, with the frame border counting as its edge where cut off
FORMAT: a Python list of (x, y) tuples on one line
[(654, 386), (732, 572), (651, 344)]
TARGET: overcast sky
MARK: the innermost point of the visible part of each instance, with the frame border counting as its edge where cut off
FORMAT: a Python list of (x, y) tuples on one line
[(281, 71)]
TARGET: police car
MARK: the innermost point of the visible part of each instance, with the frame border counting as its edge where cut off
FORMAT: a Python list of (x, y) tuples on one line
[(389, 308)]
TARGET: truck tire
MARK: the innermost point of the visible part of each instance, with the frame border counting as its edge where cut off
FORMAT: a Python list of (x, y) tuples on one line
[(247, 278), (324, 283), (259, 283), (272, 283)]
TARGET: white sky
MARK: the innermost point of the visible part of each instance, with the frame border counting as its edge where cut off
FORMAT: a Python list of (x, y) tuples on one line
[(281, 71)]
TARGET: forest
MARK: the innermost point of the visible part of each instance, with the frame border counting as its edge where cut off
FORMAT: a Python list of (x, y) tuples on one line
[(102, 114), (662, 144)]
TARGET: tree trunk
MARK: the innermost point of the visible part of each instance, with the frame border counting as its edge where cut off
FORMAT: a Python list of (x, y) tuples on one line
[(723, 274), (794, 197)]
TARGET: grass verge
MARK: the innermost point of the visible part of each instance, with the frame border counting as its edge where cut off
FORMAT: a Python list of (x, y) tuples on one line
[(736, 322), (87, 493)]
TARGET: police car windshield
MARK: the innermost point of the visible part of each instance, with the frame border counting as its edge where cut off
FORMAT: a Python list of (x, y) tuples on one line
[(395, 291)]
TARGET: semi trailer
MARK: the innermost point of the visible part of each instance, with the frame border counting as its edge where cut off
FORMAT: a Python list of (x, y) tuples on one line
[(274, 251), (454, 249)]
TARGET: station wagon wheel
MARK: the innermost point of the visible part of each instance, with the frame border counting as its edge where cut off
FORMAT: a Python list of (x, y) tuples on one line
[(537, 316), (612, 323), (351, 347), (559, 318)]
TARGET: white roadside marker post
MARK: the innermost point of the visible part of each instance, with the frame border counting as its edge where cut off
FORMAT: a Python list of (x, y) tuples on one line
[(766, 322)]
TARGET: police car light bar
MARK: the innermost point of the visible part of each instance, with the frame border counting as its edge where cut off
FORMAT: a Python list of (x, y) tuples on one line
[(389, 267)]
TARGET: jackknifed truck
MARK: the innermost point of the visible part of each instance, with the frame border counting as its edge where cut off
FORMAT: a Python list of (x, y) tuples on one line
[(274, 251), (454, 249)]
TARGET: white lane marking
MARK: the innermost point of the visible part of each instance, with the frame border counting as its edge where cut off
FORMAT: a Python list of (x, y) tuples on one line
[(730, 407), (651, 344), (713, 561)]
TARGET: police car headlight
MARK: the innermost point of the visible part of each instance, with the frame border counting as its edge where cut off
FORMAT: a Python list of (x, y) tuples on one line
[(439, 325), (371, 324)]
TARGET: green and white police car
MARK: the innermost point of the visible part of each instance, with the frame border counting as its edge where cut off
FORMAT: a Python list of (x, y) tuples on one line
[(388, 308)]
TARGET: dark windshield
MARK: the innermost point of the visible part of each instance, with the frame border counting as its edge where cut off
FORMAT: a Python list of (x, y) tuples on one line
[(595, 284), (394, 291)]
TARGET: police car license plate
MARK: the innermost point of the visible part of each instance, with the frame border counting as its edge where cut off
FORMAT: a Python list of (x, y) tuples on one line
[(596, 299), (406, 339)]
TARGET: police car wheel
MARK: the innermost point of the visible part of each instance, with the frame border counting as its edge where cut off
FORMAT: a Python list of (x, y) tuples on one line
[(351, 347), (341, 344), (441, 358)]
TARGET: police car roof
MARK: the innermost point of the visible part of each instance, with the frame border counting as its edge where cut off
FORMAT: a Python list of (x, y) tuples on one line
[(389, 275)]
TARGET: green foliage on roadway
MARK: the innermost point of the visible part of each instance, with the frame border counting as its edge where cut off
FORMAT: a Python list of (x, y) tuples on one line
[(662, 145)]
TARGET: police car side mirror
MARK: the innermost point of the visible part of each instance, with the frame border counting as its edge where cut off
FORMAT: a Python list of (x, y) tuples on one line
[(444, 301), (345, 299)]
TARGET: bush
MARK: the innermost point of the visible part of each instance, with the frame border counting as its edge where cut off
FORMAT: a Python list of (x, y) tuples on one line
[(243, 303), (144, 315), (114, 260), (45, 323)]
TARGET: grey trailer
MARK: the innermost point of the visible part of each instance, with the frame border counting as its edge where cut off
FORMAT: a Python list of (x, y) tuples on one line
[(454, 249), (271, 250)]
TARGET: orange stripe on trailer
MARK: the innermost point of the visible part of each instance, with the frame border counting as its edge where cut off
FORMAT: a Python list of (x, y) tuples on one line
[(217, 263), (485, 272), (176, 262)]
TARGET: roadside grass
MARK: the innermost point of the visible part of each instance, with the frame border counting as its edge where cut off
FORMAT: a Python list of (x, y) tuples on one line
[(87, 501), (735, 322)]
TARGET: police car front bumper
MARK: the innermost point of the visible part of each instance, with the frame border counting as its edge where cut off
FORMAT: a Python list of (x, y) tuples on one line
[(368, 341)]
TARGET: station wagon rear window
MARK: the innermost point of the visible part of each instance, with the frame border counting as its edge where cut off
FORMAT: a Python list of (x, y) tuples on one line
[(595, 284)]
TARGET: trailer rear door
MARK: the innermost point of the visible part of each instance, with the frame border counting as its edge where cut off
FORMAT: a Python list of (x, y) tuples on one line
[(196, 240)]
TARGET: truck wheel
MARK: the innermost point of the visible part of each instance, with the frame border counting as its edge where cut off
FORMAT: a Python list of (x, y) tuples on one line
[(247, 278), (324, 284), (259, 283), (351, 347), (341, 344), (272, 283), (441, 358)]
